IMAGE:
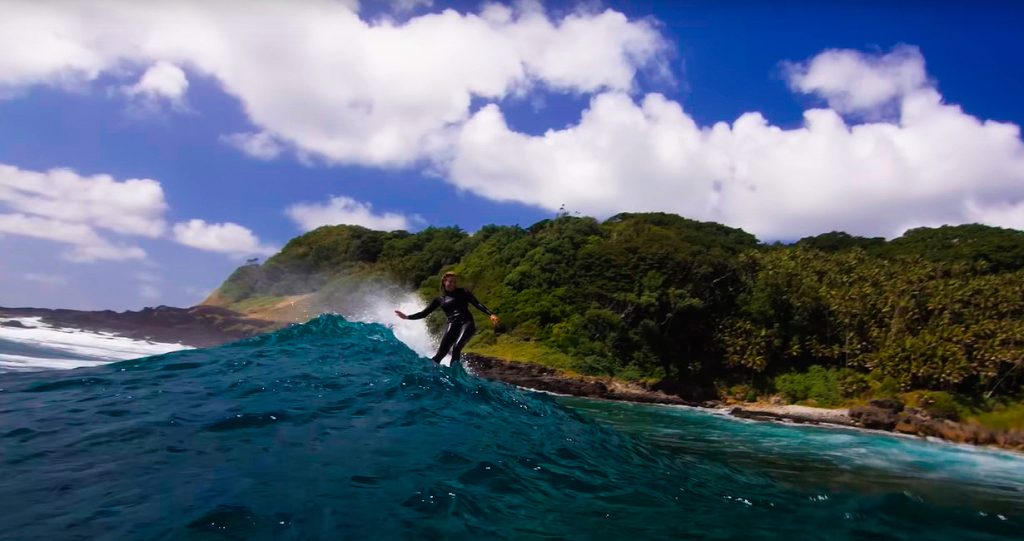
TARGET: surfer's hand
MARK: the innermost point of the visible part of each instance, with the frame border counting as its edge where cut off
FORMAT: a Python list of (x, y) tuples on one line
[(401, 315), (494, 320)]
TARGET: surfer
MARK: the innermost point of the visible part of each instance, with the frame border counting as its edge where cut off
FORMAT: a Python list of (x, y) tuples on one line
[(455, 302)]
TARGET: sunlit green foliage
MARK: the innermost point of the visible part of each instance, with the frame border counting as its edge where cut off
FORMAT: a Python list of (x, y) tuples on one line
[(837, 241), (1003, 417), (1000, 249), (947, 326), (817, 383)]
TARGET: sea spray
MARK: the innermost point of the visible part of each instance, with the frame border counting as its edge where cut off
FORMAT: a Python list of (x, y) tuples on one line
[(335, 429), (374, 300), (380, 308)]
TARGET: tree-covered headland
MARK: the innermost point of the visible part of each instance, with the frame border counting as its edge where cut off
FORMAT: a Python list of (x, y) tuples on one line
[(936, 315)]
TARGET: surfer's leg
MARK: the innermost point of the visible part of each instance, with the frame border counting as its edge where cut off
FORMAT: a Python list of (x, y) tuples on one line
[(468, 330), (449, 338)]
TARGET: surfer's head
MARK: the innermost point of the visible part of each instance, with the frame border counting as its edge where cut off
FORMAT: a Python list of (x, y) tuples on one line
[(449, 281)]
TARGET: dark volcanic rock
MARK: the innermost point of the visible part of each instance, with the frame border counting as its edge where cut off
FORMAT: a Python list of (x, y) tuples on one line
[(533, 376), (684, 389), (15, 324), (548, 379), (199, 326), (1010, 439), (911, 421), (756, 415), (962, 432), (789, 416), (874, 417), (920, 422)]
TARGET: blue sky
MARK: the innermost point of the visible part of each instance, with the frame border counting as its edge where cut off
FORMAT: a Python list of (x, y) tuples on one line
[(253, 125)]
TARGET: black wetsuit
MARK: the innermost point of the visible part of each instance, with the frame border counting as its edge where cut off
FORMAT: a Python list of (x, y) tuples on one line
[(461, 326)]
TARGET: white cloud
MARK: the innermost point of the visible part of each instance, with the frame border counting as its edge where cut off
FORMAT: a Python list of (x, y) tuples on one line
[(876, 178), (229, 238), (162, 80), (262, 146), (398, 94), (83, 211), (345, 210), (51, 49), (585, 52), (1002, 214), (63, 206), (132, 207), (853, 82), (314, 76), (87, 245)]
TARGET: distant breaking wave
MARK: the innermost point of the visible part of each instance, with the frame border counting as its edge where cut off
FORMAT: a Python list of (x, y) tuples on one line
[(336, 430), (33, 345)]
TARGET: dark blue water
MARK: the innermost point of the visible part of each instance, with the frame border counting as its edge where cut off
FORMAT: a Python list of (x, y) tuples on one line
[(335, 430)]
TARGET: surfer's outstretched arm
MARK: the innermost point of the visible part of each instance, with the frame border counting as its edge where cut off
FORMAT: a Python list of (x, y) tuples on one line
[(422, 313), (480, 306)]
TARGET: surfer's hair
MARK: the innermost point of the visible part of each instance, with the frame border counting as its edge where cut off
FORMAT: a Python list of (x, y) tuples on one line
[(445, 276)]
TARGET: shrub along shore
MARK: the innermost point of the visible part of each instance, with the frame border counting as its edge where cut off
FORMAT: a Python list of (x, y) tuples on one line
[(933, 319)]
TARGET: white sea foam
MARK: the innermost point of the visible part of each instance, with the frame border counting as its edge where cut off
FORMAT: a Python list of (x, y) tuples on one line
[(41, 346), (887, 451), (412, 333), (27, 363)]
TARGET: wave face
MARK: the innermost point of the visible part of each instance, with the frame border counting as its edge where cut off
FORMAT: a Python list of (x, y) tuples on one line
[(336, 430)]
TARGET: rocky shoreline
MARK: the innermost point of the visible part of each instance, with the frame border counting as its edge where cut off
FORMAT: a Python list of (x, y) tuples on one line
[(888, 415), (198, 326)]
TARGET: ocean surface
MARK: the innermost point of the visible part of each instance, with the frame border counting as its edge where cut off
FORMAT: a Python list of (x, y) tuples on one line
[(337, 430), (28, 344)]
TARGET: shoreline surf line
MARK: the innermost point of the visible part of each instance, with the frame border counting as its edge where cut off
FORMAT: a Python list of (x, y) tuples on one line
[(540, 378)]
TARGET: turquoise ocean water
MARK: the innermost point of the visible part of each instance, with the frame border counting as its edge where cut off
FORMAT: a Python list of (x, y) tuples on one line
[(336, 430)]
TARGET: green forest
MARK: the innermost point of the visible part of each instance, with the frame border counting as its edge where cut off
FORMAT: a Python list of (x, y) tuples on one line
[(936, 315)]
